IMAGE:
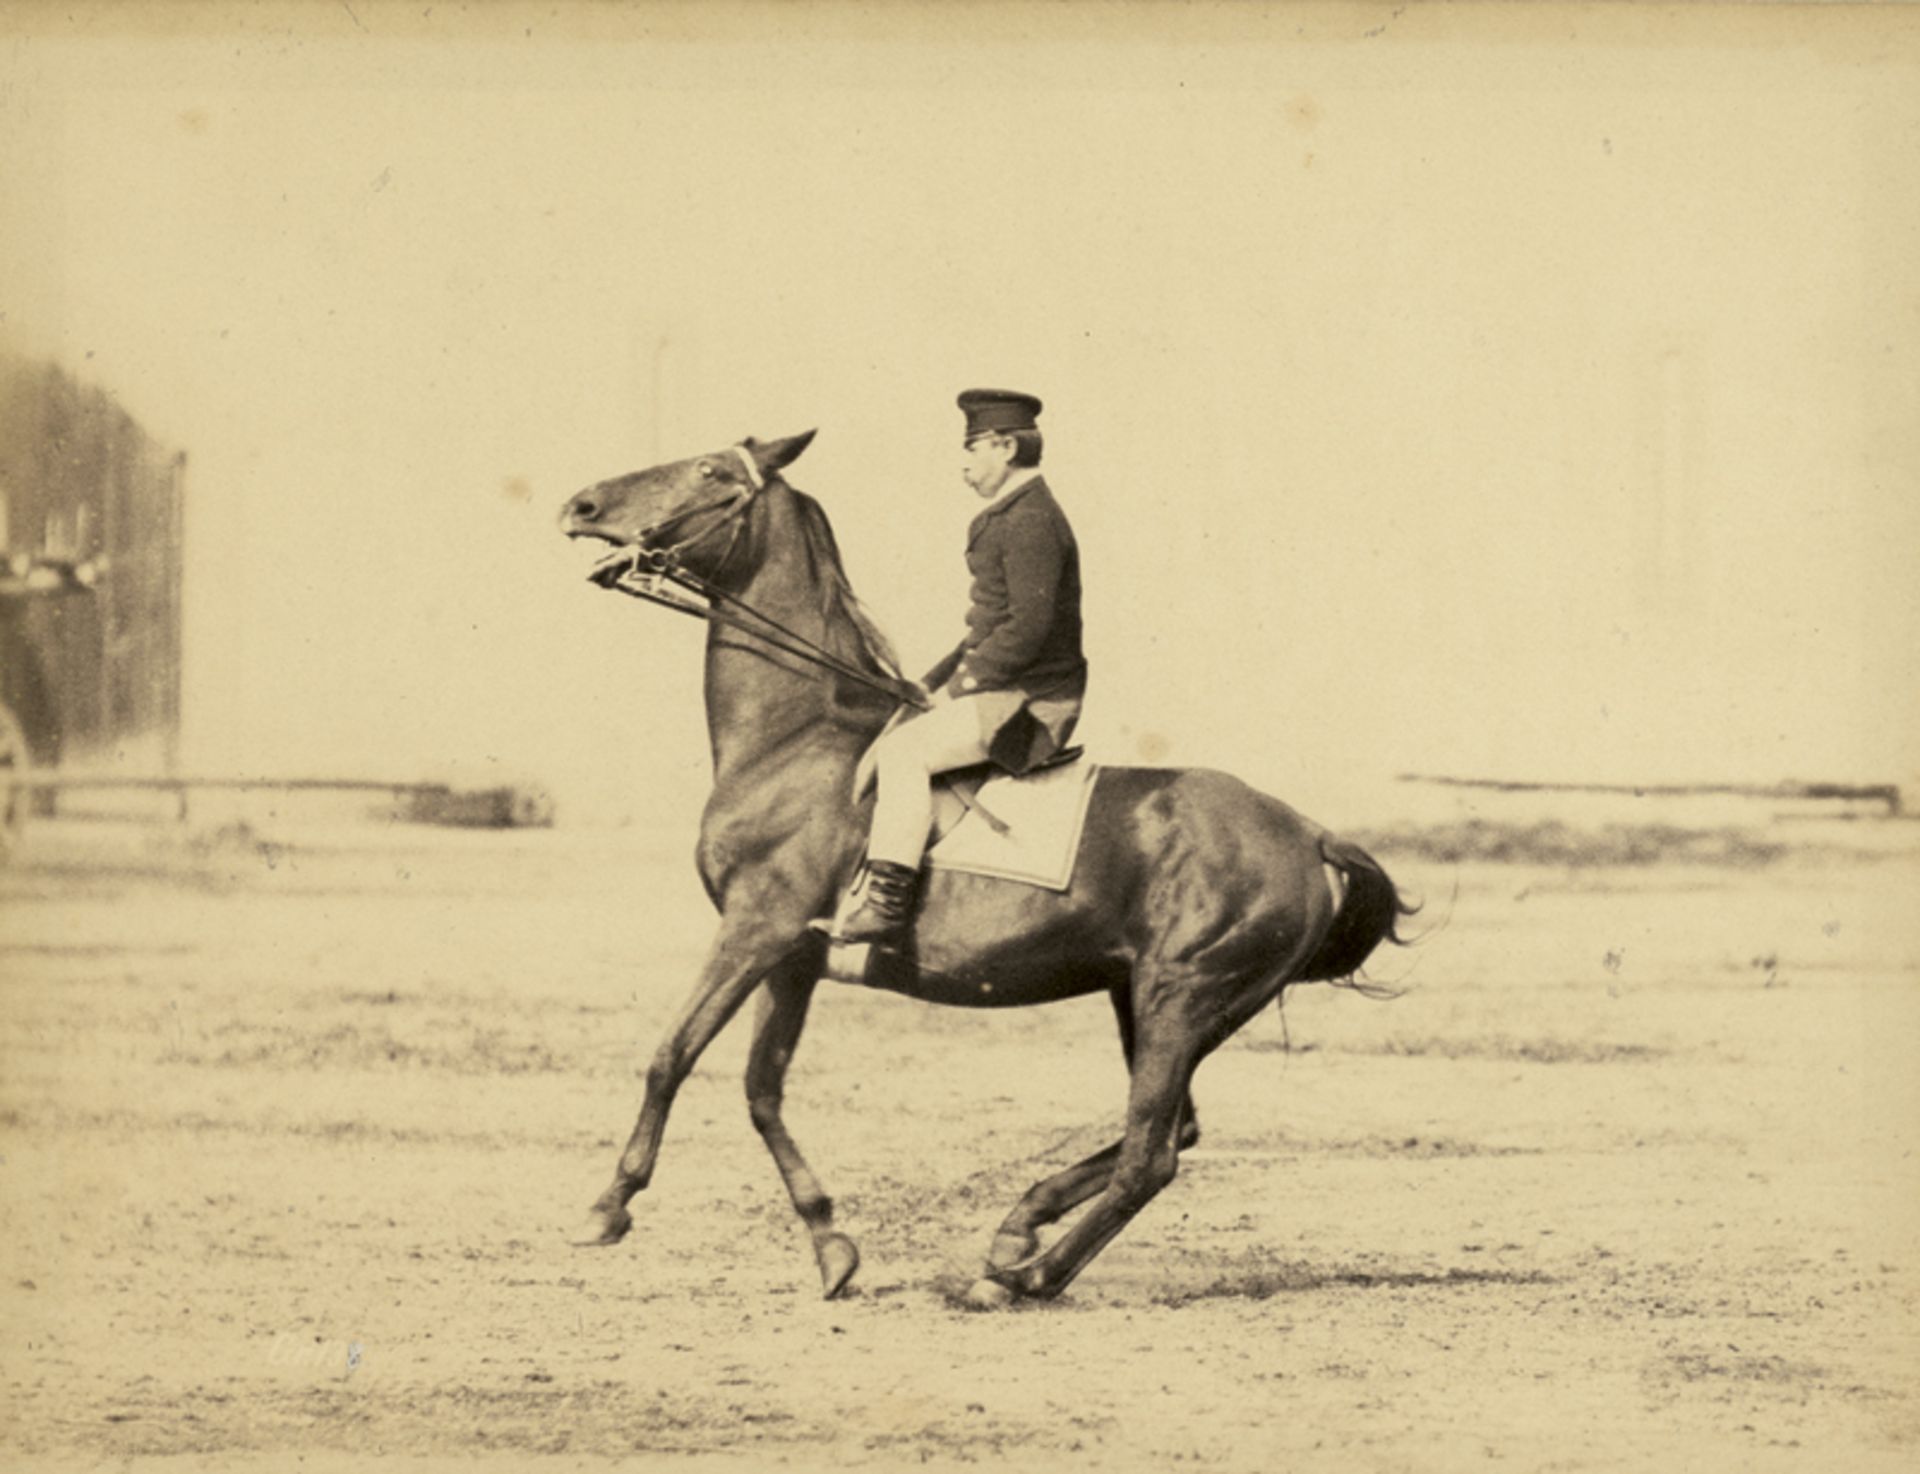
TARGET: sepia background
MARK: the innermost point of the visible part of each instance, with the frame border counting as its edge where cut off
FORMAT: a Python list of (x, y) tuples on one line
[(1524, 398), (1520, 393)]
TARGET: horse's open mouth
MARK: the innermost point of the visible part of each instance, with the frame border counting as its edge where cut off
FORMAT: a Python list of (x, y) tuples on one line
[(611, 556)]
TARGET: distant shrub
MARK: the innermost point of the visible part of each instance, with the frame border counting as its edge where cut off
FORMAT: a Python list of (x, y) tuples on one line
[(1552, 842)]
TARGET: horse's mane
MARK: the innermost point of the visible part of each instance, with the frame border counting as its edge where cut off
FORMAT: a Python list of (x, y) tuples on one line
[(837, 595)]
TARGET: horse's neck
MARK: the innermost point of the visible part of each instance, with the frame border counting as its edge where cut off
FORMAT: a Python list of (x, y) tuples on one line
[(762, 702)]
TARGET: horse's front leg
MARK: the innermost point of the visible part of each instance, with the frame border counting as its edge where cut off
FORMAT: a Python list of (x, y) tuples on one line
[(776, 1032), (732, 972)]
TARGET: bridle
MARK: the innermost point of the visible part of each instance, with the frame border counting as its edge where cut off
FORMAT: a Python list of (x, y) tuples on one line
[(644, 571)]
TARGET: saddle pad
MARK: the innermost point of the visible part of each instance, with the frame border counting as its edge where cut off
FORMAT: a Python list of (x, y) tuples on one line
[(1043, 815)]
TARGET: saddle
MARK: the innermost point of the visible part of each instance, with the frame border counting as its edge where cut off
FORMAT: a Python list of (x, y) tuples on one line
[(993, 853), (956, 792)]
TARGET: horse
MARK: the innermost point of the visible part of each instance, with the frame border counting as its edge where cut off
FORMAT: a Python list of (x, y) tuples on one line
[(1194, 902)]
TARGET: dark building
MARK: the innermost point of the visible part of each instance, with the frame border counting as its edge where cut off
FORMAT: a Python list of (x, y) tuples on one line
[(90, 558)]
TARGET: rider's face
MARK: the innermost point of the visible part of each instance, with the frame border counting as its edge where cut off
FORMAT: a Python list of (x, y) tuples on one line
[(988, 463)]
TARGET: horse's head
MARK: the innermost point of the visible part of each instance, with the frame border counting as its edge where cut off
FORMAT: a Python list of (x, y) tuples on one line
[(686, 507)]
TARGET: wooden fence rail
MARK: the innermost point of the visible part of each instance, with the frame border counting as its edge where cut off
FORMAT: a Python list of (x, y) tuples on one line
[(1885, 793), (438, 803)]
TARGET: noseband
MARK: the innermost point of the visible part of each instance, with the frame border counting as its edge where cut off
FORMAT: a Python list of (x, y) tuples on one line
[(656, 575)]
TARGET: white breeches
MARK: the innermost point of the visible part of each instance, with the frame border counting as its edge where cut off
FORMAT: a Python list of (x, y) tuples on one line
[(905, 762)]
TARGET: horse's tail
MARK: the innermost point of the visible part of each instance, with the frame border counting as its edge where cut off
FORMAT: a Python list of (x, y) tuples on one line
[(1369, 914)]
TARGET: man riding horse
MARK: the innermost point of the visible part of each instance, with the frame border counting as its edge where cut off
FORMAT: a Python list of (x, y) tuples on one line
[(1010, 691), (1195, 900)]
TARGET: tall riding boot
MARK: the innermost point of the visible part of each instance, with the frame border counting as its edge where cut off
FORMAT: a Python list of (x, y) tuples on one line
[(886, 912)]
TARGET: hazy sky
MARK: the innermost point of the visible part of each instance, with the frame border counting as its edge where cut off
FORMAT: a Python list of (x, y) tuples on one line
[(1513, 393)]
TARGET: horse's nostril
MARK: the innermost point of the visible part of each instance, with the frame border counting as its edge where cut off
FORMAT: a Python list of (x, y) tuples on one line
[(584, 508)]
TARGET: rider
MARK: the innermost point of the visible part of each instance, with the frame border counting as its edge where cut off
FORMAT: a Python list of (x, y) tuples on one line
[(1010, 691)]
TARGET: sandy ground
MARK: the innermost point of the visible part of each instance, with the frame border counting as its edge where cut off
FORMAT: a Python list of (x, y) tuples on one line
[(291, 1133)]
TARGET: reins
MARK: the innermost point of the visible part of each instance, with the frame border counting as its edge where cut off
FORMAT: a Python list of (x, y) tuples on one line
[(655, 575)]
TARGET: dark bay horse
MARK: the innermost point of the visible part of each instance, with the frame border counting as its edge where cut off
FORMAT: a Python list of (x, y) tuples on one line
[(1195, 900)]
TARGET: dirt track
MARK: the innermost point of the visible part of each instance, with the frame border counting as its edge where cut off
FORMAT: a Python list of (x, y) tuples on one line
[(291, 1136)]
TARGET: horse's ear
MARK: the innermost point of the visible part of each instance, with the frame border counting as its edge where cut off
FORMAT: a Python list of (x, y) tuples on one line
[(774, 454)]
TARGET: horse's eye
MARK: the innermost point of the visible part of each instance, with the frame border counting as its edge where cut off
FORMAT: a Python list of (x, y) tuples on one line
[(706, 470)]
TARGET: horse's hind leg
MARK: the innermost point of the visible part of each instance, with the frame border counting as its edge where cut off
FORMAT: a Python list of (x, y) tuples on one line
[(1052, 1198), (1122, 997), (781, 1014), (1047, 1201), (1146, 1161)]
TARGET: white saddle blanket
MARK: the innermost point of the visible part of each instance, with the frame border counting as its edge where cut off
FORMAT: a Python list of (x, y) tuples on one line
[(1043, 815)]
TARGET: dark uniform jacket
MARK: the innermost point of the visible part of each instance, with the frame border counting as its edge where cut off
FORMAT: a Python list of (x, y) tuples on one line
[(1022, 648)]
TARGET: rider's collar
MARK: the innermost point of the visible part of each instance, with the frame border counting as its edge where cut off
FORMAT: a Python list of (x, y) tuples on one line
[(1015, 484)]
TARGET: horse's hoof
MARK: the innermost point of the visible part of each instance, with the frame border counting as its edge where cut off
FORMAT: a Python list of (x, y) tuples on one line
[(838, 1260), (602, 1228), (988, 1295), (1009, 1249)]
